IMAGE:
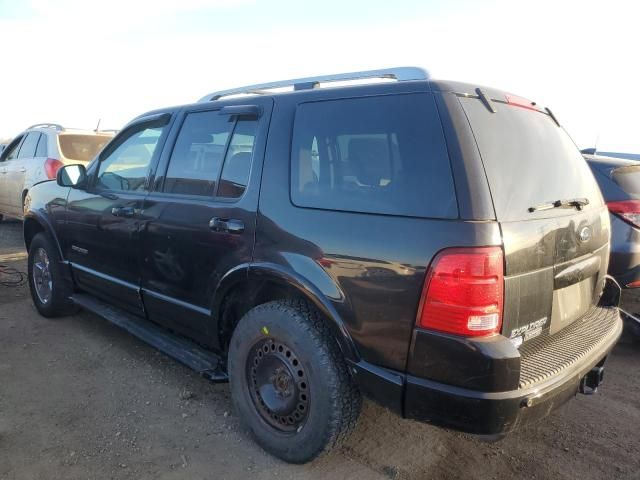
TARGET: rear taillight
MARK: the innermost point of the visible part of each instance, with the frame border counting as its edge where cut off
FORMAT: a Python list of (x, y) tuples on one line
[(463, 292), (627, 210), (51, 167)]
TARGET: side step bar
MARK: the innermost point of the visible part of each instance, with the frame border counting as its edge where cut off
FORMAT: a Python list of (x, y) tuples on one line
[(203, 361)]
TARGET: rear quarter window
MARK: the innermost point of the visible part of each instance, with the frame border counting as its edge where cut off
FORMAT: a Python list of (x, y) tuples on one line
[(382, 154)]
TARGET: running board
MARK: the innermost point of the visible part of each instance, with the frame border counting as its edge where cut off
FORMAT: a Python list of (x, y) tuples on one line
[(203, 361)]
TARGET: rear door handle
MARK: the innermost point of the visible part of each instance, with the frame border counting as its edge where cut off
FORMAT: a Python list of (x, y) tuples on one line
[(23, 169), (229, 225), (126, 212)]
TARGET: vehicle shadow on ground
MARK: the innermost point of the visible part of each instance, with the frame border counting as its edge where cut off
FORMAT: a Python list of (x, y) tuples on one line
[(400, 449)]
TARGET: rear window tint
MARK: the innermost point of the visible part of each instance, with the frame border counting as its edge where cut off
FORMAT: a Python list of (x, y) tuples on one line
[(382, 154), (529, 161), (81, 147), (628, 179)]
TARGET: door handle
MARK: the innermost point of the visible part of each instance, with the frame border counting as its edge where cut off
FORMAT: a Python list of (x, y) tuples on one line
[(23, 169), (228, 225), (126, 212)]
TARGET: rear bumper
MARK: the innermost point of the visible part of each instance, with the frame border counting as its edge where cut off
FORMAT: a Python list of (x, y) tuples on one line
[(493, 409), (491, 413)]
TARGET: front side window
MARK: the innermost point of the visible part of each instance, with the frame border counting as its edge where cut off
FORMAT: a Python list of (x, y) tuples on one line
[(384, 155), (125, 168)]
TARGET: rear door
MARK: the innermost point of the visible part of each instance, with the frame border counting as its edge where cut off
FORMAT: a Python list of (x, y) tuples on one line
[(556, 256), (201, 215)]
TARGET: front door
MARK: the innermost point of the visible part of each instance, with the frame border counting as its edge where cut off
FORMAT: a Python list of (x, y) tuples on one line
[(101, 237), (202, 212)]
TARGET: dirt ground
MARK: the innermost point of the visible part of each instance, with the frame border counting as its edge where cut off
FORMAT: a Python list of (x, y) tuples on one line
[(81, 399)]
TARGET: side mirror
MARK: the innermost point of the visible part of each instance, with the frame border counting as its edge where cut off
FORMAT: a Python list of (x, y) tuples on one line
[(74, 176)]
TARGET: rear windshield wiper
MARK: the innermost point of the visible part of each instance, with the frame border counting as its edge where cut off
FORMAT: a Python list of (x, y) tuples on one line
[(576, 203)]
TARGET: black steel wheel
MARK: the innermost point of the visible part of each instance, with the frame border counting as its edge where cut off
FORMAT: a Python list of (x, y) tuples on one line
[(289, 381), (278, 385)]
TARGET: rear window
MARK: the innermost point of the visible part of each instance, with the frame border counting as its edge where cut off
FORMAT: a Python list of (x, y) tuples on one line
[(529, 161), (628, 179), (81, 147), (382, 154)]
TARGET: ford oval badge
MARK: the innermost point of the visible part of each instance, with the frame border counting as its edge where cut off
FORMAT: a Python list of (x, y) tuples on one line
[(584, 234)]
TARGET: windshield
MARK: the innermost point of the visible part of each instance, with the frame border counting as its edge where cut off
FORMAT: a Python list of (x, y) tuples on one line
[(529, 161), (82, 147)]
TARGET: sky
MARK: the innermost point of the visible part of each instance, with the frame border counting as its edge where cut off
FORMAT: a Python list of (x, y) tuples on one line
[(74, 62)]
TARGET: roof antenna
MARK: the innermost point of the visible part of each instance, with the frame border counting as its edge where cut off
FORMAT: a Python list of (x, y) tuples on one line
[(98, 125), (595, 147)]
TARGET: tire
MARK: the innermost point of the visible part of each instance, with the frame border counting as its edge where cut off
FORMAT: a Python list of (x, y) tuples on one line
[(57, 303), (1, 217), (302, 401)]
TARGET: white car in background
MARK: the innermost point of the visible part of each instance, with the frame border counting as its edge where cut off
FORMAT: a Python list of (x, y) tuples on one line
[(36, 155)]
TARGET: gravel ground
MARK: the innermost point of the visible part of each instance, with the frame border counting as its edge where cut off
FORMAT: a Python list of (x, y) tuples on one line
[(80, 398)]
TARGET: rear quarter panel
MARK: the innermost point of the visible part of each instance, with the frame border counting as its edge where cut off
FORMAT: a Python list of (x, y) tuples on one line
[(370, 267)]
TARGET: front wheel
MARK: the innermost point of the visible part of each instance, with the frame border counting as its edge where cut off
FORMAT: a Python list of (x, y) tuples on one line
[(49, 290), (289, 381)]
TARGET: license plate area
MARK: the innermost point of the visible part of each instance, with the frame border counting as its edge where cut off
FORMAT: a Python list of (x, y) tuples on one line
[(571, 303)]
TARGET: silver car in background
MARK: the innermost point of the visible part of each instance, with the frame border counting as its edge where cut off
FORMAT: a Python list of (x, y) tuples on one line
[(36, 155)]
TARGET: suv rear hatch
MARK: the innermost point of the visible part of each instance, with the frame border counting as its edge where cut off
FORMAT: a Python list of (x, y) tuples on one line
[(554, 224)]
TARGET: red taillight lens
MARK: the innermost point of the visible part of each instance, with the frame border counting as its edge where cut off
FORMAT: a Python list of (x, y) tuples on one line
[(51, 167), (463, 292), (627, 210)]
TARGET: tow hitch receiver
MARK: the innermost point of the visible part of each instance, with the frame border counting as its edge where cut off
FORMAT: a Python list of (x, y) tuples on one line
[(592, 380)]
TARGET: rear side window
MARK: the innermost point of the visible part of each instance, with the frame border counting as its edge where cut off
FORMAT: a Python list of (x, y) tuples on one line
[(81, 147), (529, 161), (237, 163), (28, 148), (11, 150), (204, 153), (198, 154), (628, 179), (382, 154)]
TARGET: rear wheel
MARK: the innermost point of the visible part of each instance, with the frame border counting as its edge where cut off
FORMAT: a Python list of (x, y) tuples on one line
[(289, 381), (49, 290), (1, 218)]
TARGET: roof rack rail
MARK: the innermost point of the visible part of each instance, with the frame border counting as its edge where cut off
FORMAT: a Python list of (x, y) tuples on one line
[(401, 74), (47, 125)]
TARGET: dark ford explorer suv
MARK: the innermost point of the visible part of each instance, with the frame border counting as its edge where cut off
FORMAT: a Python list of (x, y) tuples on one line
[(435, 246)]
